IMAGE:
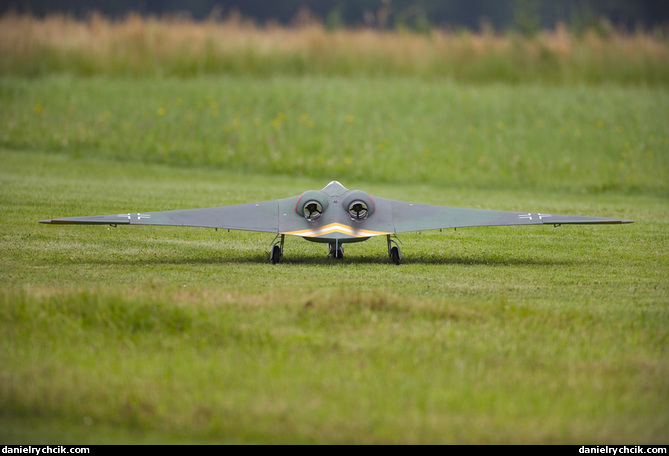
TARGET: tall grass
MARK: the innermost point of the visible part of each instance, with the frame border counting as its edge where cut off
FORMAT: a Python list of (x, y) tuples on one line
[(178, 46)]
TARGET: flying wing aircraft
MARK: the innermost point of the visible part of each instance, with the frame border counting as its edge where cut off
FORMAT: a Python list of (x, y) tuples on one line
[(335, 216)]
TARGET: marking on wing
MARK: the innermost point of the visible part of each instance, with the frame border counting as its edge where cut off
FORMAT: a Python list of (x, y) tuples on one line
[(138, 215), (335, 228), (530, 216)]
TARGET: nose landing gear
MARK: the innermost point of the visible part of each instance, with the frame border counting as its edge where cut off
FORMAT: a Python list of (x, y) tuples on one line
[(336, 251)]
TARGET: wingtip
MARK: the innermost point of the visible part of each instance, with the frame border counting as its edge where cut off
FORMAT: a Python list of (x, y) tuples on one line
[(619, 222), (616, 222), (56, 222)]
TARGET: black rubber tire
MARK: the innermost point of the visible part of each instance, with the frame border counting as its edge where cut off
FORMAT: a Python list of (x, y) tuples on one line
[(395, 255), (275, 255), (337, 253)]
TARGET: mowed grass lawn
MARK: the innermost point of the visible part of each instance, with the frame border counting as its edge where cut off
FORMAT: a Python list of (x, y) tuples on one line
[(482, 335)]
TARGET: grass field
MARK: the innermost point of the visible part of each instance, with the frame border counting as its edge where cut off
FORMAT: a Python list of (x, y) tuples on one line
[(575, 139), (483, 335)]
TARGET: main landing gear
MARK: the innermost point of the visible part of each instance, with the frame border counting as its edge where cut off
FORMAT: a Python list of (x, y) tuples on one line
[(276, 252), (336, 250), (394, 250)]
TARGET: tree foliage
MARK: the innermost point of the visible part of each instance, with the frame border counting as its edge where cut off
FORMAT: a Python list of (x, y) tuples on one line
[(525, 16)]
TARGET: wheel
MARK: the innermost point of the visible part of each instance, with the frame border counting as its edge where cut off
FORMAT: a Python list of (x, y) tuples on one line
[(275, 255), (337, 252), (395, 255)]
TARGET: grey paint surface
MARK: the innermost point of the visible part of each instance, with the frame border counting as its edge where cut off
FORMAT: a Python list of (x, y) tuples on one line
[(335, 224)]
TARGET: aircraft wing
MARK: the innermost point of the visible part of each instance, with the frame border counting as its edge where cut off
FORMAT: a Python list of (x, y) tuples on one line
[(263, 216), (404, 217), (390, 216)]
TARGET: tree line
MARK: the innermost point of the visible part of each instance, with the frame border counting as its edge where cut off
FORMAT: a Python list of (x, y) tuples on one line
[(525, 16)]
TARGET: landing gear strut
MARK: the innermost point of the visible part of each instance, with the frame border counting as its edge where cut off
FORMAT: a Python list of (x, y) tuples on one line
[(276, 252), (394, 250), (336, 250)]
